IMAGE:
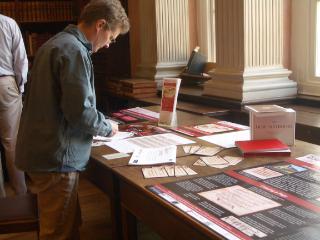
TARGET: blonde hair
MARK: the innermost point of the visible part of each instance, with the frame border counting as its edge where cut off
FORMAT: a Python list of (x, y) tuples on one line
[(110, 10)]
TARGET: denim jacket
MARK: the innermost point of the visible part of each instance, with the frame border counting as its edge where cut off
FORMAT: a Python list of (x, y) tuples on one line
[(59, 116)]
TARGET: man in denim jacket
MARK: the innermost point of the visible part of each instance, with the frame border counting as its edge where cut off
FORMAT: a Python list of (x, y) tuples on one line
[(60, 118)]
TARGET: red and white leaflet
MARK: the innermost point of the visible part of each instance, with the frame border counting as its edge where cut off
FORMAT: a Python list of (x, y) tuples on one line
[(170, 90)]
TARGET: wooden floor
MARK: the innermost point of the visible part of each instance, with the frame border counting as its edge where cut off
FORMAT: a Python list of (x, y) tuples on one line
[(96, 223)]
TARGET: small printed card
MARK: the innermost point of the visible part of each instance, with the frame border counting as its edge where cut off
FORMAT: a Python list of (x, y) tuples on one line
[(218, 161), (115, 156), (167, 171), (154, 172), (208, 151), (201, 150), (233, 160), (214, 160), (200, 162)]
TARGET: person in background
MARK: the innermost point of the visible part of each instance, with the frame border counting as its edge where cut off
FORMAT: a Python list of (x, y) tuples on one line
[(59, 118), (13, 76)]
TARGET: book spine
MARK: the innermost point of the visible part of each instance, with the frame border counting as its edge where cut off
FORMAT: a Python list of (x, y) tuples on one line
[(266, 154)]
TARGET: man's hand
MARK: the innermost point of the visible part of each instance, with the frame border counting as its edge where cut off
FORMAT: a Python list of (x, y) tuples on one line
[(114, 129)]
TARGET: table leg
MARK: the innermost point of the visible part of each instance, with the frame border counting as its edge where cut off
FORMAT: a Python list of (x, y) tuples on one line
[(2, 191), (129, 225)]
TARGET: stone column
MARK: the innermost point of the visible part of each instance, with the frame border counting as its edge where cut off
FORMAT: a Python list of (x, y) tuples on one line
[(206, 28), (164, 37), (249, 52)]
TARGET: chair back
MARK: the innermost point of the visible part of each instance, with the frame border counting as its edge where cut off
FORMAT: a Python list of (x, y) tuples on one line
[(19, 214)]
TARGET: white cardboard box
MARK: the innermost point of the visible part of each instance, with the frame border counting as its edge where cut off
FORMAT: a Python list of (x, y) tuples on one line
[(272, 122)]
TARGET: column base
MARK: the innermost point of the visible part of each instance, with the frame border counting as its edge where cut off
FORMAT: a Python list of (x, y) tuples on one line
[(252, 85)]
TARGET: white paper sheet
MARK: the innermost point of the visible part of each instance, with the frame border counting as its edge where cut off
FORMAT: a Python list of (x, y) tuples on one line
[(227, 140), (118, 136), (154, 141)]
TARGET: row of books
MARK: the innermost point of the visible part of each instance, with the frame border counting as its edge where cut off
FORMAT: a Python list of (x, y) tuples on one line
[(133, 88), (38, 11), (34, 41), (8, 9)]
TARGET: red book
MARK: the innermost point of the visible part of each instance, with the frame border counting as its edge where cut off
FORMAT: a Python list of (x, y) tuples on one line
[(265, 147)]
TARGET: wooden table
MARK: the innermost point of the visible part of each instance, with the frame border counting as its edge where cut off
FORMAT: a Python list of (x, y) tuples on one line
[(130, 200)]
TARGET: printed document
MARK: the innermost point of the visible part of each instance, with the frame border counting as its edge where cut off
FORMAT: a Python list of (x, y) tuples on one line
[(152, 156), (154, 141)]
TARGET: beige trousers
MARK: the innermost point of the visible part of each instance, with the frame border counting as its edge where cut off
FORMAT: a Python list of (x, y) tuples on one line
[(10, 112), (58, 204)]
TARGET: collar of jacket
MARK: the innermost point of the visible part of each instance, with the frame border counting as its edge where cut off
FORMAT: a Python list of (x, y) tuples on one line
[(73, 29)]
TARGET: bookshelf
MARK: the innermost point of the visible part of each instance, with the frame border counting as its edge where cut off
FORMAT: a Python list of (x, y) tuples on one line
[(39, 20), (39, 11)]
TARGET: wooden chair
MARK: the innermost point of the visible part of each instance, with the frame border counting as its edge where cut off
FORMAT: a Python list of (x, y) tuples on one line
[(19, 214)]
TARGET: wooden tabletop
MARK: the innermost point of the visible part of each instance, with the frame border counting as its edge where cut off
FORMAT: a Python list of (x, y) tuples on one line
[(136, 201), (170, 223)]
